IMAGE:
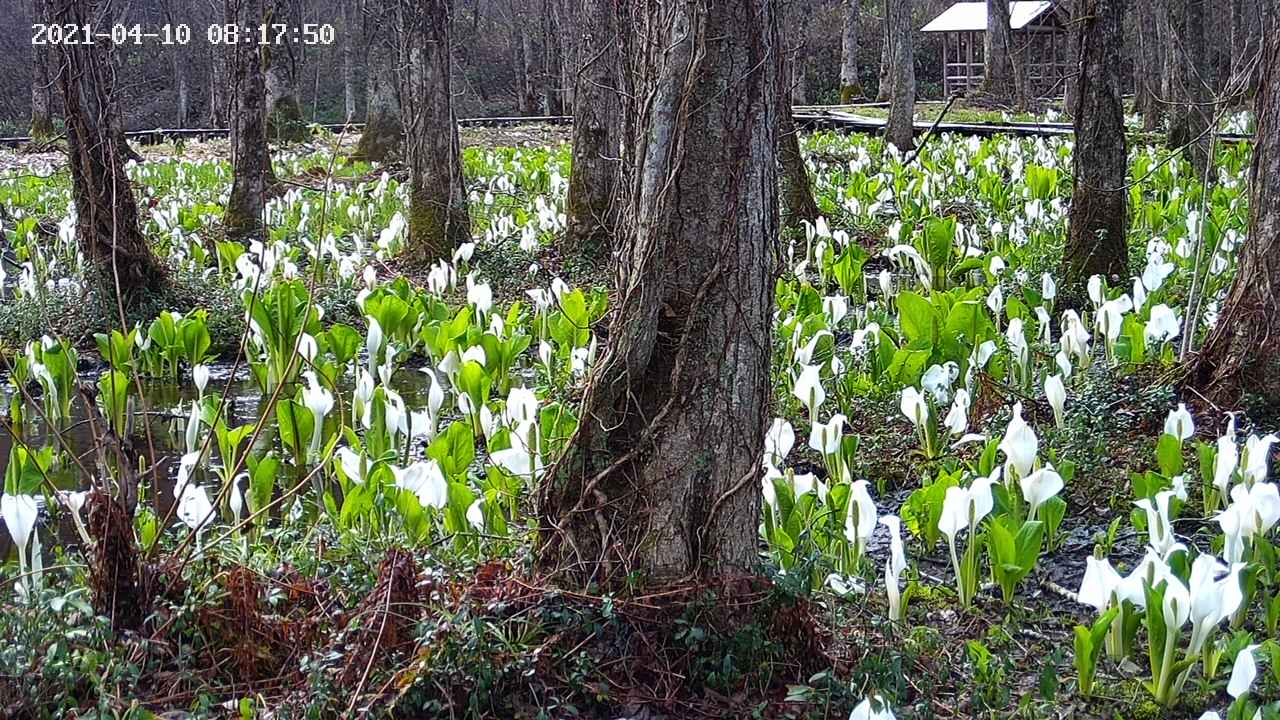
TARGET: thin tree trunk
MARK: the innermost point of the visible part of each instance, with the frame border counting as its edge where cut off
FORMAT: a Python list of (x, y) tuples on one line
[(550, 60), (1191, 114), (122, 265), (900, 129), (592, 207), (663, 480), (250, 154), (383, 129), (885, 88), (1070, 88), (41, 88), (438, 220), (998, 79), (219, 83), (348, 64), (527, 100), (1098, 222), (797, 79), (571, 58), (177, 62), (850, 83), (797, 203), (285, 122), (1242, 354), (1150, 59)]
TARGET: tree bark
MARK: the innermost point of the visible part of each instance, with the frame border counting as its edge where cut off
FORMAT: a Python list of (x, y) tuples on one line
[(1191, 113), (177, 62), (383, 129), (1242, 354), (121, 264), (527, 95), (1070, 88), (285, 122), (250, 154), (592, 207), (797, 203), (1098, 222), (438, 219), (349, 25), (551, 94), (219, 84), (998, 80), (41, 88), (662, 479), (1150, 63), (900, 129), (850, 83), (885, 88)]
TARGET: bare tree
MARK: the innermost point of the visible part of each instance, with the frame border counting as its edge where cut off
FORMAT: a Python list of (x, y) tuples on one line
[(797, 203), (250, 155), (999, 77), (551, 59), (663, 479), (284, 110), (850, 83), (1247, 20), (592, 206), (1242, 353), (121, 263), (350, 23), (1190, 89), (1098, 221), (1149, 62), (900, 129), (383, 129), (526, 91), (41, 88), (885, 89), (438, 219), (178, 61)]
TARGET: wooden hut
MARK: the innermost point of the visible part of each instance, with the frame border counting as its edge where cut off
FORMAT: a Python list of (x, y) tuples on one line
[(1039, 33)]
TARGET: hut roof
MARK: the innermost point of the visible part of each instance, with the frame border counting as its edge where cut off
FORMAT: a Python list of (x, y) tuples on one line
[(972, 16)]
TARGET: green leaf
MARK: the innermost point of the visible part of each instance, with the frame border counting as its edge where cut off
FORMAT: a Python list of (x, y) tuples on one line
[(1169, 455), (918, 319)]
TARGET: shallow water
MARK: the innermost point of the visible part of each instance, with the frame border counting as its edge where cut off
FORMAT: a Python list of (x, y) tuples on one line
[(167, 408)]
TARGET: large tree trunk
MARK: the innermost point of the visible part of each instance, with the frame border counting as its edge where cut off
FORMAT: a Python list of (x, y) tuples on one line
[(438, 220), (1150, 63), (285, 122), (250, 154), (592, 206), (999, 77), (41, 88), (122, 265), (383, 129), (1098, 221), (663, 480), (1242, 353), (1192, 111), (850, 83), (900, 129)]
